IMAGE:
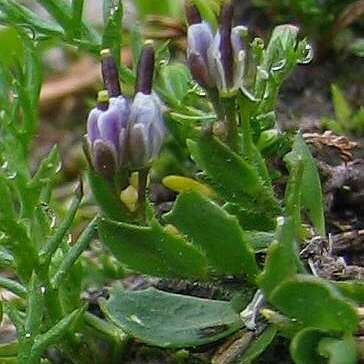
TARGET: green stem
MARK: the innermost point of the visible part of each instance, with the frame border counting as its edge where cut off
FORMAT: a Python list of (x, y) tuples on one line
[(73, 254), (213, 95), (232, 130), (56, 239), (142, 186)]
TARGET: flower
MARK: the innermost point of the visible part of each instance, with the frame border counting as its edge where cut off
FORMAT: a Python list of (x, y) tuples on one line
[(107, 133), (123, 136), (146, 127), (216, 60)]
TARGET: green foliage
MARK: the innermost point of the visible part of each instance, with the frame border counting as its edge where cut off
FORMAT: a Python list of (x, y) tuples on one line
[(221, 141), (170, 320), (346, 120)]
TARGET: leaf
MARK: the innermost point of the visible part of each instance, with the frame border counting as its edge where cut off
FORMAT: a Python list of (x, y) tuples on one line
[(8, 350), (357, 47), (303, 347), (211, 228), (338, 351), (238, 183), (282, 258), (55, 334), (293, 195), (258, 346), (170, 320), (311, 194), (342, 108), (353, 290), (112, 36), (315, 303), (153, 250), (175, 79), (162, 7), (106, 197), (206, 10), (11, 46), (47, 170)]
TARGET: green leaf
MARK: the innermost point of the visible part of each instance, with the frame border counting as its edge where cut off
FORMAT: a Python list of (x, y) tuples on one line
[(342, 108), (353, 290), (112, 36), (161, 7), (206, 10), (303, 347), (311, 194), (281, 260), (357, 47), (211, 228), (107, 197), (238, 183), (11, 46), (170, 320), (258, 346), (316, 303), (8, 350), (338, 351), (55, 334), (47, 170), (153, 250), (175, 80), (293, 195)]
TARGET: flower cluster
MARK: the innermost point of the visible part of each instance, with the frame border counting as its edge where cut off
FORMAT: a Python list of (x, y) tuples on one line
[(120, 133), (215, 60)]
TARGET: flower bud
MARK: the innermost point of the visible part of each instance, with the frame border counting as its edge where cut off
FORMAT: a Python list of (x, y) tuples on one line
[(107, 133), (146, 126), (226, 55), (199, 39), (110, 73)]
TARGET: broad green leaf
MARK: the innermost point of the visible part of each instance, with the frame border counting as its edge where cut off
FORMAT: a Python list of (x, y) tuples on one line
[(211, 228), (153, 250), (282, 257), (303, 347), (311, 194), (258, 346), (170, 320), (338, 351), (238, 183), (316, 303), (353, 290)]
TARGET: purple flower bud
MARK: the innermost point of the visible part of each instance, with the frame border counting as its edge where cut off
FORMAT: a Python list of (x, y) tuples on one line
[(107, 131), (146, 130), (199, 39), (110, 73), (226, 55)]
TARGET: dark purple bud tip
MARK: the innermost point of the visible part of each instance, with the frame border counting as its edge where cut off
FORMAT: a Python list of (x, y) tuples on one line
[(226, 49), (110, 73), (102, 100), (104, 159), (145, 69), (192, 14)]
